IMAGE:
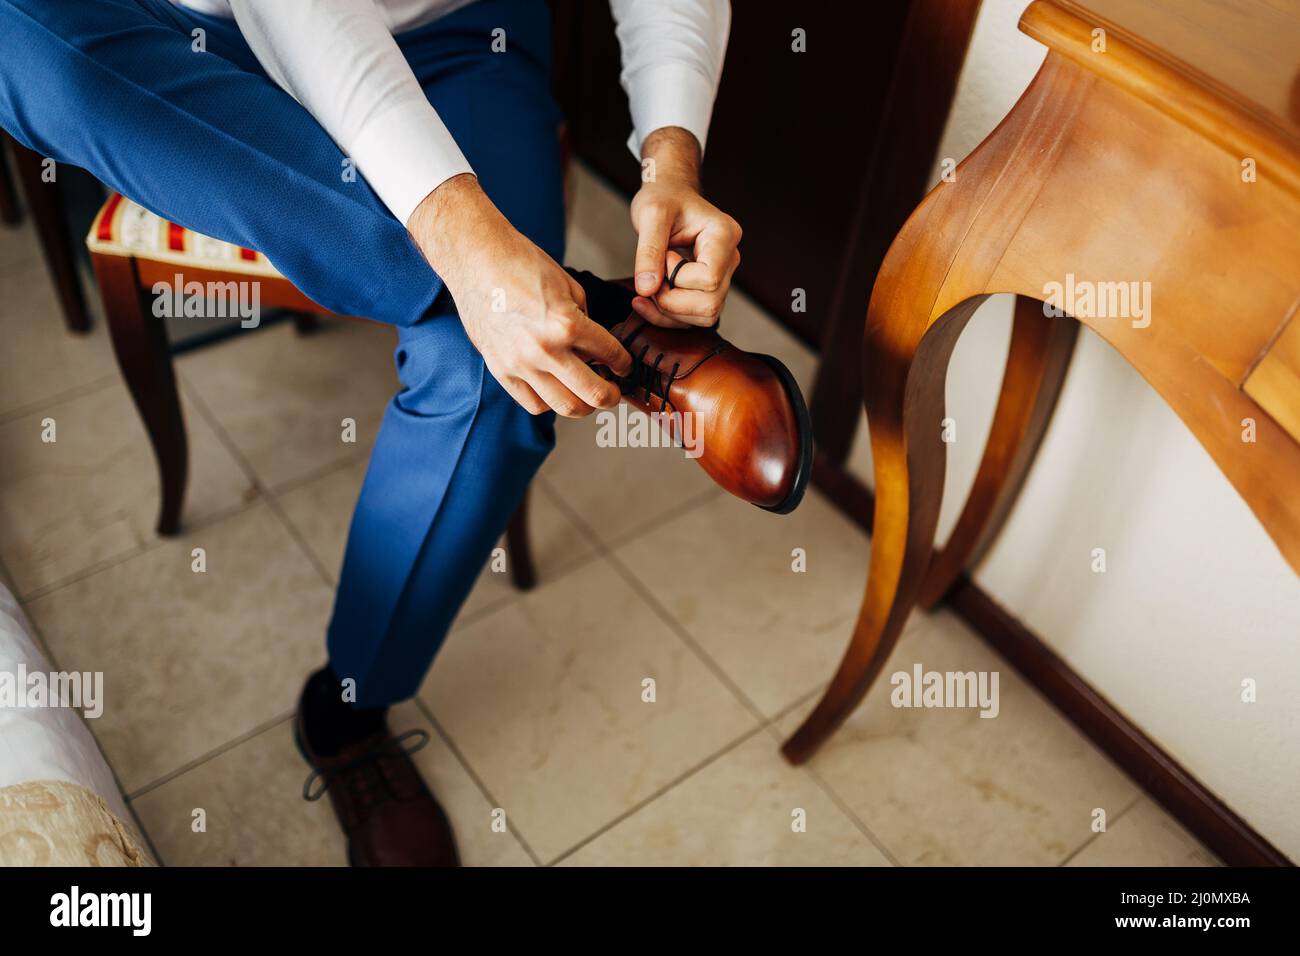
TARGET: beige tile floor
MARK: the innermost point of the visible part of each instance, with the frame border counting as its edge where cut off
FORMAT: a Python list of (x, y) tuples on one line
[(542, 744)]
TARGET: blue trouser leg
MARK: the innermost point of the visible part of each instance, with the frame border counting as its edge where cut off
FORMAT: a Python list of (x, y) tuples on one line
[(115, 86), (206, 139), (433, 504)]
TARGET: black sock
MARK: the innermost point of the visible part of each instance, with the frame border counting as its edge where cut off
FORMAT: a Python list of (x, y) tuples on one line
[(332, 723), (608, 303)]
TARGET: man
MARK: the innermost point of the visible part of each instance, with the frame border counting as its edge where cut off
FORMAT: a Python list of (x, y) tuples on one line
[(245, 119)]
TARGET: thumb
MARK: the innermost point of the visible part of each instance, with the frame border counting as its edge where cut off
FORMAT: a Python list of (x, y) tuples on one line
[(653, 229)]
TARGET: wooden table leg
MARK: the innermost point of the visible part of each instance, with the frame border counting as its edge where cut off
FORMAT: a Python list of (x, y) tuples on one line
[(935, 276), (1036, 206), (905, 366), (1039, 357)]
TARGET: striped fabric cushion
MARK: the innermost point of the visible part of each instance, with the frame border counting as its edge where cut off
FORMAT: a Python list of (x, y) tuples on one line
[(125, 228)]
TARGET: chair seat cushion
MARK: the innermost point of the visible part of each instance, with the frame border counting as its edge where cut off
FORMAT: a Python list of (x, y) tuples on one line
[(125, 228)]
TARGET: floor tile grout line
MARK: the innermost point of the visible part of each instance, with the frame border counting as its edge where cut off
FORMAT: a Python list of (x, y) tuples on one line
[(208, 755), (568, 567), (144, 834), (662, 791), (606, 551), (836, 800), (691, 772), (662, 613), (685, 636), (624, 538), (685, 506), (602, 550), (187, 390), (297, 482), (43, 646), (152, 544), (272, 501), (553, 496), (56, 399), (456, 752), (1094, 837), (822, 783)]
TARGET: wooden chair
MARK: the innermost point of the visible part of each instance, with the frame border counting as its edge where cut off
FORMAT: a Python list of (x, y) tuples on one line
[(45, 206), (131, 249)]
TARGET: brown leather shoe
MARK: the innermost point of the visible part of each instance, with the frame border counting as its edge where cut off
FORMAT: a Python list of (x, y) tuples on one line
[(755, 436), (387, 812)]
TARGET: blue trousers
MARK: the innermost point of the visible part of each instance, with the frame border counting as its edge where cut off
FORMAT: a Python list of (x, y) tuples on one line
[(207, 140)]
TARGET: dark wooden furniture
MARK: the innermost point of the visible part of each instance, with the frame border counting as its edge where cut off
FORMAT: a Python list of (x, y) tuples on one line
[(131, 249), (10, 212), (45, 205), (820, 155), (1170, 156)]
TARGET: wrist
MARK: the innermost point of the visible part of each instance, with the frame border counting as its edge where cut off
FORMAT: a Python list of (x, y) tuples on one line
[(676, 156), (448, 221)]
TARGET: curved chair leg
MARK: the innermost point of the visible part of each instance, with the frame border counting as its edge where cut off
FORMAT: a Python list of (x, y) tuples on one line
[(10, 213), (903, 362), (943, 263), (140, 344), (1041, 347), (518, 552), (45, 205)]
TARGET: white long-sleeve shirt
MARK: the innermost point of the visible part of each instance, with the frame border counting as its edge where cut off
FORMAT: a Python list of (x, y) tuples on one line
[(339, 60)]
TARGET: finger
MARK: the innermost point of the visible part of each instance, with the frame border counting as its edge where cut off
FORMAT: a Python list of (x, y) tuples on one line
[(523, 393), (559, 398), (692, 307), (671, 261), (578, 292), (653, 226), (583, 382), (596, 344), (686, 305), (716, 258), (647, 309)]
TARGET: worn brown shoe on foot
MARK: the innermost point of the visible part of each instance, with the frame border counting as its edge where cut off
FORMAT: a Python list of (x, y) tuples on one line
[(388, 814), (742, 411)]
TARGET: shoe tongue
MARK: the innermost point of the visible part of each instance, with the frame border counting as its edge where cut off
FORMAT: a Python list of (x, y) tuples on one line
[(608, 303)]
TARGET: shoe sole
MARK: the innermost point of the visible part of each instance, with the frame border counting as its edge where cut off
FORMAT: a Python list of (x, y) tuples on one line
[(804, 423)]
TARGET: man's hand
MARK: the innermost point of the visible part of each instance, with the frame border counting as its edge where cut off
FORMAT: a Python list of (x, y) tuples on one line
[(667, 213), (524, 314)]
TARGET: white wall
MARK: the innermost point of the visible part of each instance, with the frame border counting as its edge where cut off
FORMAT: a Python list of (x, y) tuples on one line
[(1196, 596)]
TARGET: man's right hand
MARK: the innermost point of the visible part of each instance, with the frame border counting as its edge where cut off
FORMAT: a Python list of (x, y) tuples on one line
[(524, 314)]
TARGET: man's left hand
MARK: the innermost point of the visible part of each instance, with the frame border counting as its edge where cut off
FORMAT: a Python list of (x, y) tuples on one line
[(669, 214)]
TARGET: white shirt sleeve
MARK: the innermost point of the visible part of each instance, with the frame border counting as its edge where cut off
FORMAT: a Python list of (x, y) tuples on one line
[(672, 62), (339, 60)]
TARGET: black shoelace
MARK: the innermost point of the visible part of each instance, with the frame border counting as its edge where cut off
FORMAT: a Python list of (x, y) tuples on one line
[(648, 376), (364, 774)]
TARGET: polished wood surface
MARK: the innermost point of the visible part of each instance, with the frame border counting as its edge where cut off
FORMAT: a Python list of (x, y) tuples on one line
[(1036, 366), (1091, 178), (1275, 381), (1246, 52)]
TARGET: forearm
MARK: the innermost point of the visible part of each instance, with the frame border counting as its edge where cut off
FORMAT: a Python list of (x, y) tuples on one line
[(673, 52), (337, 58), (673, 155)]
